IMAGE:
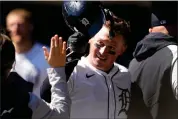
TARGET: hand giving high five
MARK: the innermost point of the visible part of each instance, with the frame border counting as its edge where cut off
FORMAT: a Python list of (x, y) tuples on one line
[(57, 55)]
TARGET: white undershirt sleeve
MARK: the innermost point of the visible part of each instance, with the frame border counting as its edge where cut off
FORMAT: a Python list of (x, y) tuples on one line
[(174, 78)]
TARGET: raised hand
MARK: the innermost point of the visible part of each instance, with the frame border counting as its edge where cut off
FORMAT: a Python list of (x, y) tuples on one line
[(57, 55)]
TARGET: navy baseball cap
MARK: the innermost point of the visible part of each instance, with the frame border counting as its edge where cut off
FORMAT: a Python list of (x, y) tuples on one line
[(155, 21), (163, 13)]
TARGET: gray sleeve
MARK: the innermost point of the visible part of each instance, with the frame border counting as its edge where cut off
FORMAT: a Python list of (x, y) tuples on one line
[(133, 66), (60, 100)]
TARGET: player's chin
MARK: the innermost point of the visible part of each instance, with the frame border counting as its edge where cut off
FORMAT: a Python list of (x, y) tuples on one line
[(103, 67), (100, 63)]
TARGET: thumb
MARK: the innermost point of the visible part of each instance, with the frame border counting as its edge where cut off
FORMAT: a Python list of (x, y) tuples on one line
[(46, 53)]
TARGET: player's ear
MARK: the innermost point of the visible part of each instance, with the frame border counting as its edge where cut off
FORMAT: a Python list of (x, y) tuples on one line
[(150, 30), (122, 49)]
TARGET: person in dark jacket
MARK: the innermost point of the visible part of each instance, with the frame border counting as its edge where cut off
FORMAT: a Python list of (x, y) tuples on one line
[(154, 72), (12, 103)]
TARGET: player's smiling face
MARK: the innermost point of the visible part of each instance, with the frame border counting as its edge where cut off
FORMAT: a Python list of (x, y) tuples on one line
[(103, 51)]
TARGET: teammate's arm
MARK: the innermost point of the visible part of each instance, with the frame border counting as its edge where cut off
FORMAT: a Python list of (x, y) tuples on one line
[(60, 101)]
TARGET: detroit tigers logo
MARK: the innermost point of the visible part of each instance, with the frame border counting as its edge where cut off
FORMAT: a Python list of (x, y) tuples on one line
[(85, 21), (124, 98), (163, 22)]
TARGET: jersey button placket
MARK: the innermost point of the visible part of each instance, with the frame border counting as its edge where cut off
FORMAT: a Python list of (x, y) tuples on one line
[(111, 98)]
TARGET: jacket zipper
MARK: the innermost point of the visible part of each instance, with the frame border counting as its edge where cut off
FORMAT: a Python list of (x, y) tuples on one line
[(114, 93), (108, 94)]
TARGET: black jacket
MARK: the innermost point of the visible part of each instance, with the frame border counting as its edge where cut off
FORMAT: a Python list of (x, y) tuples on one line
[(150, 70), (15, 98)]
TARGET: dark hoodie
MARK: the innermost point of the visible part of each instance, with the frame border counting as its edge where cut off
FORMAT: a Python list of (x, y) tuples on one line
[(152, 43), (150, 70)]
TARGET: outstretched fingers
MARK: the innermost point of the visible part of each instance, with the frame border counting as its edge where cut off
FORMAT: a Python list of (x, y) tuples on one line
[(57, 55)]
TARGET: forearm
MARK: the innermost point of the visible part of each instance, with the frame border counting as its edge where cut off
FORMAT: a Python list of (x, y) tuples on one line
[(42, 109), (60, 95), (60, 101)]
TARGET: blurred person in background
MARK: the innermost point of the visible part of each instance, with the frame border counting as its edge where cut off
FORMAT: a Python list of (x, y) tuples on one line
[(16, 93), (30, 63), (154, 67)]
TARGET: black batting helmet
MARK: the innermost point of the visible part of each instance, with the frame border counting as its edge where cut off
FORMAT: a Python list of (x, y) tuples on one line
[(84, 16)]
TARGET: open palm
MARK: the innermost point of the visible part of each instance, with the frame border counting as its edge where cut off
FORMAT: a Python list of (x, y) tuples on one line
[(57, 55)]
